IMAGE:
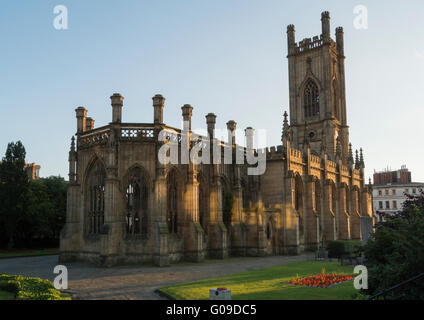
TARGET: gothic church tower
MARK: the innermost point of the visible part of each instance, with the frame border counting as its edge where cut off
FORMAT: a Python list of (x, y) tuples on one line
[(317, 92)]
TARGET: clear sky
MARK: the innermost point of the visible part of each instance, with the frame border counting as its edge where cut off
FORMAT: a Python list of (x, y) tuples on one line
[(221, 56)]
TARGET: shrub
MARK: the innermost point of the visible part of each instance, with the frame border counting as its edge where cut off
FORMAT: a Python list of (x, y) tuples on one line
[(395, 253), (25, 288), (337, 248)]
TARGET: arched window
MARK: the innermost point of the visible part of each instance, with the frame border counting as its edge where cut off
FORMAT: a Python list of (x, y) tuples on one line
[(311, 99), (96, 181), (136, 203), (172, 203)]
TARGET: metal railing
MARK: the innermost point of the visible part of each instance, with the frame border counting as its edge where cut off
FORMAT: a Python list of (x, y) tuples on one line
[(401, 288)]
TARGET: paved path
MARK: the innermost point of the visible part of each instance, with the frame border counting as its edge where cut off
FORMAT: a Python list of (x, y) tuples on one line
[(135, 282)]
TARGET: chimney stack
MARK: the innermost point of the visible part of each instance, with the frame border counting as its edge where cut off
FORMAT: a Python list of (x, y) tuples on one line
[(187, 113), (81, 114), (231, 127), (89, 124), (211, 121), (117, 104), (158, 105)]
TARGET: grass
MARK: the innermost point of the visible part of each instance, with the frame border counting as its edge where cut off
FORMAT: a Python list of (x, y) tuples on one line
[(5, 295), (4, 254), (270, 284)]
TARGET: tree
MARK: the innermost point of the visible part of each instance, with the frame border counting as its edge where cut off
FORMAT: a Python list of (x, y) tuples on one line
[(396, 251), (47, 202), (13, 190)]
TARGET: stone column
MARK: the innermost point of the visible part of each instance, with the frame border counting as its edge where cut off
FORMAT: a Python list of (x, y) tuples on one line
[(355, 217), (193, 235), (366, 205), (344, 219), (329, 214), (72, 232), (160, 227), (112, 232), (291, 239), (217, 232), (311, 218)]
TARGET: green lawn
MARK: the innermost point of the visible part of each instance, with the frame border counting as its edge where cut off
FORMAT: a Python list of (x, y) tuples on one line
[(270, 284), (5, 295), (27, 253)]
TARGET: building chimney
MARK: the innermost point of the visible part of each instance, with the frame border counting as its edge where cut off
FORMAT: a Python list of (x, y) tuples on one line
[(187, 113), (158, 105), (231, 127), (117, 104), (81, 114), (211, 121), (89, 124)]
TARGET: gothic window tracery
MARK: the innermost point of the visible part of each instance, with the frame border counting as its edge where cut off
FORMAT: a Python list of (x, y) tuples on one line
[(136, 203), (311, 99), (96, 198)]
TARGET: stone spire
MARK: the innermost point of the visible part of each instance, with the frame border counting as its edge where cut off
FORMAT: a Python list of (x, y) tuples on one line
[(350, 158), (338, 148), (286, 129), (73, 144), (72, 162), (361, 159), (356, 160)]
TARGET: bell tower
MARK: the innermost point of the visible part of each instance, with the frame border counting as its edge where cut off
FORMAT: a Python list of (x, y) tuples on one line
[(317, 92)]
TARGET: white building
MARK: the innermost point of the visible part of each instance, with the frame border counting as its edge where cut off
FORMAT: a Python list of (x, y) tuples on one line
[(389, 198)]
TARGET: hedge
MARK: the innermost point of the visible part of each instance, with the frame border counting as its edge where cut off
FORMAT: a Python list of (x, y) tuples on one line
[(25, 288), (337, 248)]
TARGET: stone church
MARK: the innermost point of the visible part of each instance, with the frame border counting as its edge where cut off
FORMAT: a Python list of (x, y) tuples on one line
[(124, 206)]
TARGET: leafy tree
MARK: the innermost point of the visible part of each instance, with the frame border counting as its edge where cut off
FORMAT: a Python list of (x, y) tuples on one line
[(396, 251), (13, 190), (48, 204)]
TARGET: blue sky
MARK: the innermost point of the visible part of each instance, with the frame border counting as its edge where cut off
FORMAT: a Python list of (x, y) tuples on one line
[(226, 57)]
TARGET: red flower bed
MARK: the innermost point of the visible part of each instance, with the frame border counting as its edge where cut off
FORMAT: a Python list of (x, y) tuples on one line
[(321, 280)]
